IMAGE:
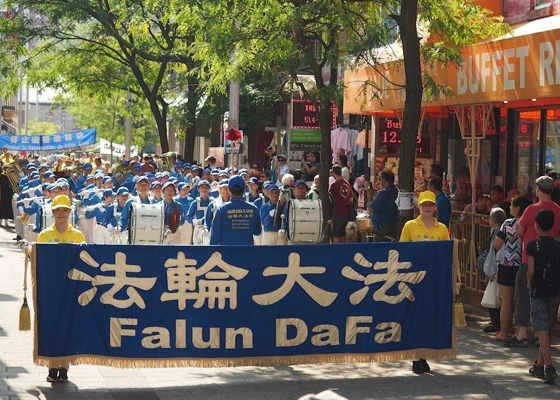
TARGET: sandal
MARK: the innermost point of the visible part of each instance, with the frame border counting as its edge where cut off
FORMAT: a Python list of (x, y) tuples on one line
[(514, 342)]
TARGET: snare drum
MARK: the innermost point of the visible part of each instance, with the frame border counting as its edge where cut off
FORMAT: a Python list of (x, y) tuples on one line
[(305, 221), (47, 216), (146, 223)]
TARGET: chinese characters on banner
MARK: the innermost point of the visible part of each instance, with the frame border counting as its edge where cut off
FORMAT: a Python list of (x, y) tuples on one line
[(228, 305), (58, 141)]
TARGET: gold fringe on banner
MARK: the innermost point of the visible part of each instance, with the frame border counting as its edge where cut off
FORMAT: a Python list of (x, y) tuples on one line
[(123, 362), (118, 362)]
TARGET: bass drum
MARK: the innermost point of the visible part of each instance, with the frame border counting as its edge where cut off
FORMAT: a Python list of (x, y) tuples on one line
[(146, 223), (47, 216), (305, 221)]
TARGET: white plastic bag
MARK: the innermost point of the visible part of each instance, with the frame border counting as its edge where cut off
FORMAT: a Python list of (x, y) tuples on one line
[(491, 298)]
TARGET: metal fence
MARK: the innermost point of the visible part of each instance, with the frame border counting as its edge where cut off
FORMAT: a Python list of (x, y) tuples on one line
[(471, 244)]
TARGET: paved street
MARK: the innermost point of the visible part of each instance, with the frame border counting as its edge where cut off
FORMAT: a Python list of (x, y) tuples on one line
[(484, 369)]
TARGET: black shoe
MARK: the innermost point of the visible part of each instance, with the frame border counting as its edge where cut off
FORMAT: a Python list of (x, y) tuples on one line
[(537, 370), (425, 365), (490, 329), (53, 375), (417, 367), (63, 375), (18, 238), (549, 375)]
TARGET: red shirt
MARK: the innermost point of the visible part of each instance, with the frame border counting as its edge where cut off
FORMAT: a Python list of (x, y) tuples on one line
[(341, 192), (147, 167), (527, 221)]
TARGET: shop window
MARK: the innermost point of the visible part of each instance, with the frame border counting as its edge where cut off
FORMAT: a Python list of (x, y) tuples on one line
[(526, 165)]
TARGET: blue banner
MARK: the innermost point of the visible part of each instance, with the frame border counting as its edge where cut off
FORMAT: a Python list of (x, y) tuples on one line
[(58, 141), (236, 305)]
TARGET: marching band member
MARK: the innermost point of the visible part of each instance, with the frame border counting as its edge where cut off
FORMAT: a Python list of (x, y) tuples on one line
[(142, 186), (251, 196), (185, 200), (65, 188), (217, 202), (89, 197), (60, 232), (98, 213), (236, 222), (271, 218), (300, 191), (49, 177), (197, 213), (172, 209), (81, 181), (195, 171), (113, 214), (157, 192)]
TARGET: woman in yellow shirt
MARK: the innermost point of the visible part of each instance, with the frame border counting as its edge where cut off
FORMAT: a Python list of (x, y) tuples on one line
[(60, 232), (425, 227)]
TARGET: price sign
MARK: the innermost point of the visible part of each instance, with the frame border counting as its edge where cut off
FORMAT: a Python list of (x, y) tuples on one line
[(390, 138)]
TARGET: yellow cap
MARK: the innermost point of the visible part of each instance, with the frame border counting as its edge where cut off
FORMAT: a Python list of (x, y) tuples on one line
[(61, 201), (427, 196)]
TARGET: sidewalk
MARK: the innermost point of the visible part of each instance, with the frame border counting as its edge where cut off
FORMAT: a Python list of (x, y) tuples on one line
[(484, 369)]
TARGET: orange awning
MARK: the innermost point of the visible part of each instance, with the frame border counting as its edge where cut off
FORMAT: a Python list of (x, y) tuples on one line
[(518, 68)]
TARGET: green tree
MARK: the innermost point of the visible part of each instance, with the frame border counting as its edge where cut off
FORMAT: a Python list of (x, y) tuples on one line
[(286, 37), (42, 128), (128, 45)]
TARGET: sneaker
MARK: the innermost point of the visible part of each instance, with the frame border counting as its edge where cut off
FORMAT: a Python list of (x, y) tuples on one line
[(425, 365), (549, 375), (417, 367), (537, 370), (490, 329), (53, 375), (63, 375), (514, 342)]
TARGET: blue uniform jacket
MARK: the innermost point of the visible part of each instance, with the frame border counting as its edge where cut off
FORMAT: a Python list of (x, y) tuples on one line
[(270, 223), (235, 223)]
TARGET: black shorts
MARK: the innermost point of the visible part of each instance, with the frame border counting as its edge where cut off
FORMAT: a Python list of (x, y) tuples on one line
[(339, 226), (506, 275)]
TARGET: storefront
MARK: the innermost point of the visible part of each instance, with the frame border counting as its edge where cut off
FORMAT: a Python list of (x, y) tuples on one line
[(516, 79)]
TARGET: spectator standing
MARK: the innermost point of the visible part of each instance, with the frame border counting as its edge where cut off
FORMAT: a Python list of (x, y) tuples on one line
[(383, 208), (342, 196), (526, 229), (435, 185), (511, 242), (543, 281)]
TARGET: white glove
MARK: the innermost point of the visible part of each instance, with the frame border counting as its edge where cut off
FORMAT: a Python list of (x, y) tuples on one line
[(31, 227), (111, 228), (101, 206), (23, 245), (282, 232), (27, 201), (271, 213), (205, 233), (197, 221)]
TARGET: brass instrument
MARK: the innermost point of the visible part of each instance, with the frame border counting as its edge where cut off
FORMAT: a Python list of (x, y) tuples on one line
[(119, 174), (12, 172), (75, 174), (168, 161)]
